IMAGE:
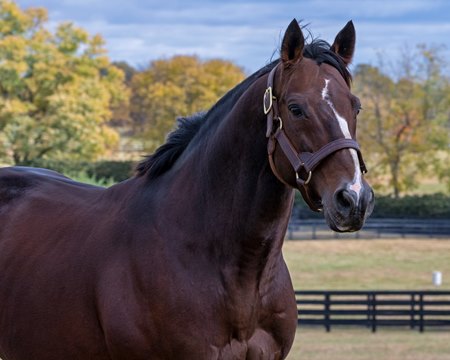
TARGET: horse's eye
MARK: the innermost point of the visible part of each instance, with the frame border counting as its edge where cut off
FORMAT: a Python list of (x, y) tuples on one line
[(296, 110)]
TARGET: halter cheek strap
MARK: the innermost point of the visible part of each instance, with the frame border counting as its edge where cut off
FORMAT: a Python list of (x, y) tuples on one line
[(303, 163)]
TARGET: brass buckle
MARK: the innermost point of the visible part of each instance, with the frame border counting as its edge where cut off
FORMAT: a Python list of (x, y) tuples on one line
[(268, 100)]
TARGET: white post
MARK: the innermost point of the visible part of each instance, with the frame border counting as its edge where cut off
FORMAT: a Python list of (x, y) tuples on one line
[(437, 278)]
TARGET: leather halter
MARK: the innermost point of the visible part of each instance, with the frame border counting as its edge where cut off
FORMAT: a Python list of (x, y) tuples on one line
[(303, 163)]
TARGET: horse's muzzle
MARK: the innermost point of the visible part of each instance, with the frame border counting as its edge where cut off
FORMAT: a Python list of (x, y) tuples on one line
[(349, 209)]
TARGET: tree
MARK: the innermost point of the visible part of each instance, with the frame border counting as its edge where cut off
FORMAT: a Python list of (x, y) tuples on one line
[(179, 86), (404, 123), (120, 117), (56, 89)]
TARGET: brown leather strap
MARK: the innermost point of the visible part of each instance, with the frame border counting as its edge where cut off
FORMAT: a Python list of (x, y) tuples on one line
[(270, 103), (288, 149), (311, 160), (274, 168), (304, 162)]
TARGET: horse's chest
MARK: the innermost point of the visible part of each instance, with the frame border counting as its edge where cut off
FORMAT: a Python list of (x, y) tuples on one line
[(261, 346), (233, 331)]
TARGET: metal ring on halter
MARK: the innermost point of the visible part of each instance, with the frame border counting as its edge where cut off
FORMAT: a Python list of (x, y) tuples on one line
[(307, 180), (281, 123)]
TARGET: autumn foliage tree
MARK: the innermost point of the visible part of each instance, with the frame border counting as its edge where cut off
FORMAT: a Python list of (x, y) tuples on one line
[(404, 125), (179, 86), (56, 89)]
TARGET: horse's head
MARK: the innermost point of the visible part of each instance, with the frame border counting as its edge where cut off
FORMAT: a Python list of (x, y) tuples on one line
[(311, 115)]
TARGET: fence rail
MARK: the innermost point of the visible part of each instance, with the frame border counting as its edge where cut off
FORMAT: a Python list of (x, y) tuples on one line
[(373, 309), (374, 228)]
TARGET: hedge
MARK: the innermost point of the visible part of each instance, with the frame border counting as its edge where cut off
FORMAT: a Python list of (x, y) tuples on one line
[(433, 206)]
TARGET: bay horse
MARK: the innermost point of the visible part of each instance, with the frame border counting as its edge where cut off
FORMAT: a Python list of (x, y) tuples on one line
[(184, 260)]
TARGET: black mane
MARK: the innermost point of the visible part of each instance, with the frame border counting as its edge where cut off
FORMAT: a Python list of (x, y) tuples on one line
[(177, 141), (188, 127)]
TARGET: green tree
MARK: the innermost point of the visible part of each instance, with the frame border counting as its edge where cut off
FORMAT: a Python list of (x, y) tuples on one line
[(56, 89), (404, 123), (179, 86)]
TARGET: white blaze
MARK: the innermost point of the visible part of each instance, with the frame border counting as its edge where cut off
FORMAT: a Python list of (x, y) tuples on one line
[(356, 185)]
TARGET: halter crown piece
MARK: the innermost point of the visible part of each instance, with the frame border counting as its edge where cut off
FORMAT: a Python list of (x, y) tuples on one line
[(304, 162)]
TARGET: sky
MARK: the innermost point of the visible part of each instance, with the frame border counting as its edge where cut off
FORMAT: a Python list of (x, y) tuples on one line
[(249, 32)]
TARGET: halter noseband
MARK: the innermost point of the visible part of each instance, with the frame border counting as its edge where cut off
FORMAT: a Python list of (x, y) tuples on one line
[(304, 162)]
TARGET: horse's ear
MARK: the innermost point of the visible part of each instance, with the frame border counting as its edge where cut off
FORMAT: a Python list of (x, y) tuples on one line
[(292, 45), (344, 43)]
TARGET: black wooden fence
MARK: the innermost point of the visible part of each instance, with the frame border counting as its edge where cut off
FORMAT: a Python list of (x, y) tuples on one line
[(374, 228), (373, 309)]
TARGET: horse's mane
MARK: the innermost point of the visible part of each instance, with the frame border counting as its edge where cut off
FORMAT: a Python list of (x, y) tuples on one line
[(188, 127)]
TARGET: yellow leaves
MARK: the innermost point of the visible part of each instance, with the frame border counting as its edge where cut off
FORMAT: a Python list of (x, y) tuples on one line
[(68, 38), (56, 88), (179, 86), (14, 21), (95, 49), (11, 107), (12, 48), (38, 16)]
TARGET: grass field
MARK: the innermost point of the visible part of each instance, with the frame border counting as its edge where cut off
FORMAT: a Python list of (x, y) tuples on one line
[(361, 344), (405, 264), (401, 264)]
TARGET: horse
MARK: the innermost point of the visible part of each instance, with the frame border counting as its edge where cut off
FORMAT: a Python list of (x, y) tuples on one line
[(184, 259)]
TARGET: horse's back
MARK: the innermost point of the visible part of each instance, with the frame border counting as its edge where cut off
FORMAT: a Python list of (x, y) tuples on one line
[(22, 184), (26, 193), (19, 178)]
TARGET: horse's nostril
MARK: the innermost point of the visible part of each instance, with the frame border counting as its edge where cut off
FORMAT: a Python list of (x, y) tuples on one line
[(345, 200)]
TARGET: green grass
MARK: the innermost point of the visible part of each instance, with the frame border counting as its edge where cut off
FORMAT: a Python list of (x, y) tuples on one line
[(85, 178), (361, 344), (368, 264)]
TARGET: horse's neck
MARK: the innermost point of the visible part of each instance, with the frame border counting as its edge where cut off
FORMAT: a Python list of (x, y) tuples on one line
[(232, 195)]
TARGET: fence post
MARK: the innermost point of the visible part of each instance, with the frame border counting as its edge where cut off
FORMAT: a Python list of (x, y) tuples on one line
[(373, 307), (421, 314), (412, 324), (327, 312)]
